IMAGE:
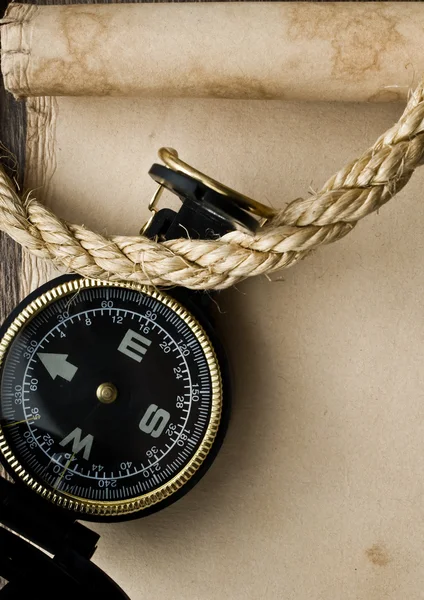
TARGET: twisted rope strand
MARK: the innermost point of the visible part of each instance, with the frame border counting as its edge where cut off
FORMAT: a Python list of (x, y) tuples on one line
[(357, 190)]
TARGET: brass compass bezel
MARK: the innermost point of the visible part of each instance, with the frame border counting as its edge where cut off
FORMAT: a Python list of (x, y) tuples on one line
[(112, 509)]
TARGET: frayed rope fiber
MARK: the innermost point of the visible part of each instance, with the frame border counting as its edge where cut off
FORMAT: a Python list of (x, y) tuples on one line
[(357, 190)]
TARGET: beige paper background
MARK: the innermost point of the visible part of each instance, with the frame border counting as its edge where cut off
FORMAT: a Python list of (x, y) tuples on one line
[(313, 51), (317, 492)]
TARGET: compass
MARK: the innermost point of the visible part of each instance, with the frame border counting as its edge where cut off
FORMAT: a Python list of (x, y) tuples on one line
[(111, 396)]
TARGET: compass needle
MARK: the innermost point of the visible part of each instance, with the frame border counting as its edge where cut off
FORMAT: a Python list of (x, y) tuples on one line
[(19, 422), (66, 467)]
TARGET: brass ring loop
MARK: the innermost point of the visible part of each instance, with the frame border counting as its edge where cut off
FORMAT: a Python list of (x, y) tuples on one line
[(170, 158)]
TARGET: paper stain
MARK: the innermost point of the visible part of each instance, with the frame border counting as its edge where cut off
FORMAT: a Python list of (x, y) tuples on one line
[(378, 555), (202, 83), (86, 33), (85, 67), (361, 42), (361, 38), (96, 27)]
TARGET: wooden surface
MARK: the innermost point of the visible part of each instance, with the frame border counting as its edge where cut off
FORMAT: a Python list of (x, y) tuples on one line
[(12, 136)]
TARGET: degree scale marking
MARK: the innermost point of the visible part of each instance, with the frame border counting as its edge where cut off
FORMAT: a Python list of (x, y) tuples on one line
[(153, 324)]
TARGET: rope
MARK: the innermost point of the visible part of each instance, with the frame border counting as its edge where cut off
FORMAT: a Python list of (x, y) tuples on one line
[(357, 190)]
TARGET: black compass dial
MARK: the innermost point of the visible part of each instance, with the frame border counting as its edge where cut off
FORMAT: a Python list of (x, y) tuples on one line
[(108, 394)]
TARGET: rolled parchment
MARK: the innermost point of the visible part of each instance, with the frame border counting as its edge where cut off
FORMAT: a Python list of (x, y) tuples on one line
[(310, 51)]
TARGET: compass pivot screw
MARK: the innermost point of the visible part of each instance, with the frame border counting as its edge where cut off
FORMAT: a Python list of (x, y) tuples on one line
[(107, 393)]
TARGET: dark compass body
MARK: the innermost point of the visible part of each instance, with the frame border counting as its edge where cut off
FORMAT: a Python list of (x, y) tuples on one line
[(111, 397)]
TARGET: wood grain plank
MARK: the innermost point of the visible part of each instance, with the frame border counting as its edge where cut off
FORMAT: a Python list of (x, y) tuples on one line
[(12, 136)]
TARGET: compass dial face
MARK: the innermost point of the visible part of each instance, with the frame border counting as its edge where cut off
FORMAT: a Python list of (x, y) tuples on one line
[(111, 396)]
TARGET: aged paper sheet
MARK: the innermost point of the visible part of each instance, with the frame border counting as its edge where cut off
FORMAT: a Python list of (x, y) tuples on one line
[(313, 51), (317, 492)]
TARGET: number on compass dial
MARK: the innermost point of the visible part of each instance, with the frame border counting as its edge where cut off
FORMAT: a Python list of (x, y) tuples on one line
[(110, 396)]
